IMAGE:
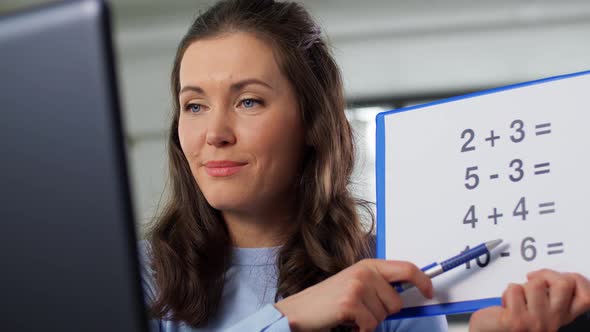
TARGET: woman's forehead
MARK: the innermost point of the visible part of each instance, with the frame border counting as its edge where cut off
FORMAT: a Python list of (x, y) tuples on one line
[(229, 57)]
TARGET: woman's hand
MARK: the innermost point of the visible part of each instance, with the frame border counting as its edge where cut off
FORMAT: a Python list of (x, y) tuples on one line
[(360, 295), (547, 301)]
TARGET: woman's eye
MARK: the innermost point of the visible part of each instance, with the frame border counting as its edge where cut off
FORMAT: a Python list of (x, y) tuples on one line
[(249, 102), (194, 108)]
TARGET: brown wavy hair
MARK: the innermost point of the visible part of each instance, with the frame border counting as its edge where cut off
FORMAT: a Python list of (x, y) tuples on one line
[(191, 246)]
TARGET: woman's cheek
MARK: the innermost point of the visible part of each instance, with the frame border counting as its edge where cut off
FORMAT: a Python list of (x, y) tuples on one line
[(190, 138)]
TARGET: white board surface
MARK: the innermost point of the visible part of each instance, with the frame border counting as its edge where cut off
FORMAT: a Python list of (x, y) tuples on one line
[(511, 163)]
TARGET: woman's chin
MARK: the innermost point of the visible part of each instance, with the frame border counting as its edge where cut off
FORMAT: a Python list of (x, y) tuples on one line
[(224, 204)]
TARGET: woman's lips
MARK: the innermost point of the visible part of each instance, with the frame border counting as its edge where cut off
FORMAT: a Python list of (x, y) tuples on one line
[(221, 168)]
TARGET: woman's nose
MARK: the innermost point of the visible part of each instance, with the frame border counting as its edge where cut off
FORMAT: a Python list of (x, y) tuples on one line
[(220, 129)]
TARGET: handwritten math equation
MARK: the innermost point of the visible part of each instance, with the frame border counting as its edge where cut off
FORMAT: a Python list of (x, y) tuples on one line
[(514, 170)]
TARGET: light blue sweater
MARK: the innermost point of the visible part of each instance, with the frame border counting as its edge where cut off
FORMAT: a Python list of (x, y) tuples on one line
[(248, 297)]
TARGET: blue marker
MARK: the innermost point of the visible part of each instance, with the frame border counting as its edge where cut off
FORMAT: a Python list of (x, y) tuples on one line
[(435, 269)]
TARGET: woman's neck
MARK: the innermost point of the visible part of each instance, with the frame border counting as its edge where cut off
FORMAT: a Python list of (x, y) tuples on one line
[(258, 231)]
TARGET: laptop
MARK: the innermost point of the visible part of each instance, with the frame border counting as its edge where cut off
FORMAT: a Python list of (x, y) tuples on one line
[(68, 248)]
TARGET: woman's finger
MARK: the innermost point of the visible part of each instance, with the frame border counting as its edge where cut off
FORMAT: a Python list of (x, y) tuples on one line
[(515, 315), (536, 293), (393, 271), (364, 319), (513, 299), (561, 290), (388, 296), (488, 320), (581, 298), (372, 301)]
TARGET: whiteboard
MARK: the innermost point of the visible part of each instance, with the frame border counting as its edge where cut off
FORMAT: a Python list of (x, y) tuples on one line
[(511, 163)]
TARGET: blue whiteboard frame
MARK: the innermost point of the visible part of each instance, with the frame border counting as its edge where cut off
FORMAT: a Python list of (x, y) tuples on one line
[(452, 307)]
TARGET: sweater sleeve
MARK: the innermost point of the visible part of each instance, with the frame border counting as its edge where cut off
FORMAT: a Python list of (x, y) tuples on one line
[(267, 319), (431, 324)]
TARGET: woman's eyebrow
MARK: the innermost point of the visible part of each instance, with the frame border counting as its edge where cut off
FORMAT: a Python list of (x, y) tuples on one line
[(234, 87), (241, 84)]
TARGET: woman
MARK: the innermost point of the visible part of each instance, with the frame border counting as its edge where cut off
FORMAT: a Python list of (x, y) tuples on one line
[(260, 232)]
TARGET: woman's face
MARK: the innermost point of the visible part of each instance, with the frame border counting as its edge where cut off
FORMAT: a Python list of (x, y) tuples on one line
[(239, 127)]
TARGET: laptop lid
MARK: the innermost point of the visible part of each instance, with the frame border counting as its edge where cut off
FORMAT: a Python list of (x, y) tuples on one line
[(67, 236)]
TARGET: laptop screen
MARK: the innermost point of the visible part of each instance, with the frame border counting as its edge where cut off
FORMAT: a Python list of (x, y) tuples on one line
[(67, 241)]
